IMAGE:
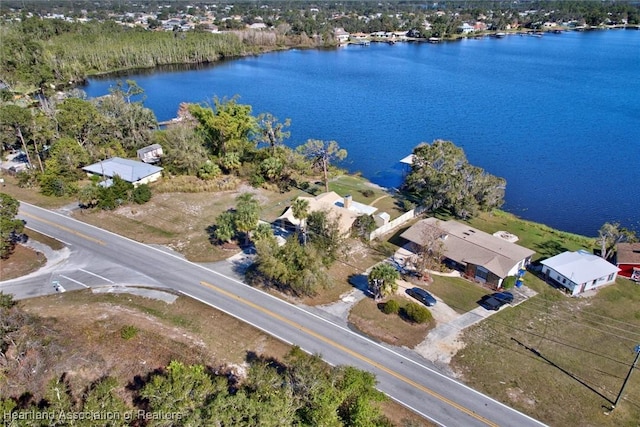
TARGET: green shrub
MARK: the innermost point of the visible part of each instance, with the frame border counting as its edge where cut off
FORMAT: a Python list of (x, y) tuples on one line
[(367, 192), (141, 194), (256, 180), (417, 313), (304, 185), (209, 170), (391, 307), (128, 331), (407, 205), (509, 282)]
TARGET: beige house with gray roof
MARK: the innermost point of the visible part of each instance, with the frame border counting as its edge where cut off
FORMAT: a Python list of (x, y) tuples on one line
[(479, 255)]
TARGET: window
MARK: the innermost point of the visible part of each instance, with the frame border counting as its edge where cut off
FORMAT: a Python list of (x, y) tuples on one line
[(610, 278), (564, 280), (482, 273)]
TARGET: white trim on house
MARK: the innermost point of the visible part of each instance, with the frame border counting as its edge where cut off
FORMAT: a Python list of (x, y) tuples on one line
[(469, 246), (344, 209), (129, 170), (579, 271)]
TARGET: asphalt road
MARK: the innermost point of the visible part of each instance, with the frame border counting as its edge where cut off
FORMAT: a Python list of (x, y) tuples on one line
[(100, 258)]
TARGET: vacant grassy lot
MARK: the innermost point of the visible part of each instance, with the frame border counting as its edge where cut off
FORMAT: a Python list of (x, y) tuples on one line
[(560, 359), (367, 193), (32, 196), (183, 221)]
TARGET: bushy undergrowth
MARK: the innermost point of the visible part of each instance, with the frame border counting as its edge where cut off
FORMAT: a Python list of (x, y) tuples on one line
[(191, 184)]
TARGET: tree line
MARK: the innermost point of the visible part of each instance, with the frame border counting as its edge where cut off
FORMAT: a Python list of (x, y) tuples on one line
[(38, 54)]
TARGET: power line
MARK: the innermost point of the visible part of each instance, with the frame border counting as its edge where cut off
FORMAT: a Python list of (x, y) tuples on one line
[(582, 324)]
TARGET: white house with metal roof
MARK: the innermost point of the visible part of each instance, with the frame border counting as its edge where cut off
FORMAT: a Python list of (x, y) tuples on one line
[(579, 271), (129, 170)]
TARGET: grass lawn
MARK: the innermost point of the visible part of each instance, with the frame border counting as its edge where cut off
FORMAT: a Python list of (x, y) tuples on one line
[(367, 317), (545, 240), (457, 293), (32, 196), (356, 185), (357, 258), (553, 349)]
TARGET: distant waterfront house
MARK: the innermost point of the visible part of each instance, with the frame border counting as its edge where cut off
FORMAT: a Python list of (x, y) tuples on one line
[(150, 154), (628, 258), (479, 255), (579, 271), (341, 35), (466, 28), (344, 209), (129, 170)]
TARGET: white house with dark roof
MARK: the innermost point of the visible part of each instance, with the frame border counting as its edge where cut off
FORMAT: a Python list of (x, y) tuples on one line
[(129, 170), (579, 271)]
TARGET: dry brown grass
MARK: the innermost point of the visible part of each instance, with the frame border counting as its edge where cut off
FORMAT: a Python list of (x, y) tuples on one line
[(560, 359), (32, 196), (367, 317), (21, 262), (85, 328), (182, 221)]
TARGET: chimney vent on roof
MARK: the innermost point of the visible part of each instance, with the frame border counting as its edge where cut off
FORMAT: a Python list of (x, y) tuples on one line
[(347, 201)]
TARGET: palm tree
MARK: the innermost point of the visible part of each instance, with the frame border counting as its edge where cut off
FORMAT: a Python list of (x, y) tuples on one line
[(300, 210), (382, 280)]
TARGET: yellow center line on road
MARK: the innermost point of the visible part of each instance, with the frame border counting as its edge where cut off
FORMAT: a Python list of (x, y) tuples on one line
[(354, 354), (63, 228)]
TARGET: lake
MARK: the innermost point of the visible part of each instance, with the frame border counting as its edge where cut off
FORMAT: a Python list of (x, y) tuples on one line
[(557, 116)]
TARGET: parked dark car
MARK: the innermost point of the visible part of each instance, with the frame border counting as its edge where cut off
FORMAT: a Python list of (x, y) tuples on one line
[(507, 297), (423, 296), (496, 300)]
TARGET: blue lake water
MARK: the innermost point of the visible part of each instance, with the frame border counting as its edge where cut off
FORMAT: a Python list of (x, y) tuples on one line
[(557, 116)]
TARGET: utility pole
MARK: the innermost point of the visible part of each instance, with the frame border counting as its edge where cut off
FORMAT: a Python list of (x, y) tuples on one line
[(624, 384)]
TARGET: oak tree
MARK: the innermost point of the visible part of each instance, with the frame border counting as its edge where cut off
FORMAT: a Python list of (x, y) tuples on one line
[(322, 153), (442, 178)]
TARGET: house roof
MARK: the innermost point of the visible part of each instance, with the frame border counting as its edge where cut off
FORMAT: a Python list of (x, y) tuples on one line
[(466, 244), (128, 170), (628, 253), (149, 148), (580, 266), (408, 160), (333, 203)]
